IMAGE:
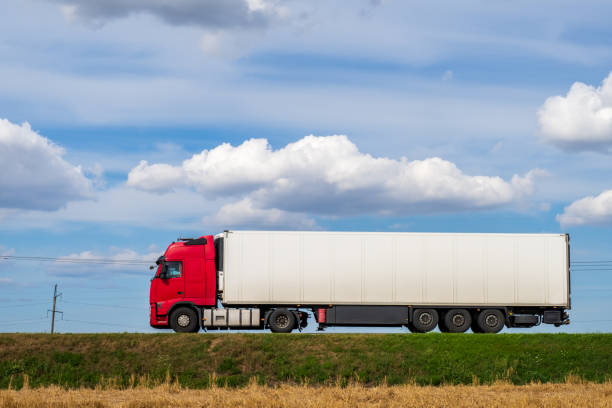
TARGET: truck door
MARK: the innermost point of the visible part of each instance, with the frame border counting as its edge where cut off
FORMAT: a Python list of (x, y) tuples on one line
[(171, 284), (194, 279)]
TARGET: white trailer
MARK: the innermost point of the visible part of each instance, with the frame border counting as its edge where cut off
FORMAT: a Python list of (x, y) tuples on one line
[(453, 280)]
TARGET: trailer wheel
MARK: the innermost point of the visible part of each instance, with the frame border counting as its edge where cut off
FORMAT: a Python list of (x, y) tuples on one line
[(184, 320), (457, 320), (424, 320), (490, 321), (281, 321)]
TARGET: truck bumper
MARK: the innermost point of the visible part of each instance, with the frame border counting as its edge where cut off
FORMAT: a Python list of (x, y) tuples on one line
[(157, 321)]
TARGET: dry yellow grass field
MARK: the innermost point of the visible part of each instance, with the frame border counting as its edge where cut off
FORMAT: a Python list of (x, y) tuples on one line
[(569, 394)]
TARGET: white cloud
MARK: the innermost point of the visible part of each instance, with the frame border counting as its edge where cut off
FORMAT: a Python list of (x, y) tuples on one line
[(118, 260), (155, 177), (6, 251), (580, 120), (224, 44), (591, 210), (245, 214), (180, 211), (95, 173), (69, 12), (497, 147), (115, 255), (34, 175), (329, 176), (212, 44), (202, 13)]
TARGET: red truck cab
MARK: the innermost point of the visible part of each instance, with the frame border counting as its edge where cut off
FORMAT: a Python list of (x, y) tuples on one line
[(185, 277)]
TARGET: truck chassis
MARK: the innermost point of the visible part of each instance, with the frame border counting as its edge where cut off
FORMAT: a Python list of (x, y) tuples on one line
[(418, 319)]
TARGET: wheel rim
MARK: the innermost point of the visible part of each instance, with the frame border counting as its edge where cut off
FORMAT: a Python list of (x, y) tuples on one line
[(491, 320), (425, 318), (183, 320), (282, 321), (458, 320)]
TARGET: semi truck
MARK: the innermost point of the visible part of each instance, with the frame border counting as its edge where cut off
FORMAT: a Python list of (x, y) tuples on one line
[(279, 280)]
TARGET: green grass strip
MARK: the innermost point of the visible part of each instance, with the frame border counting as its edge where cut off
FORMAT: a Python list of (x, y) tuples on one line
[(196, 360)]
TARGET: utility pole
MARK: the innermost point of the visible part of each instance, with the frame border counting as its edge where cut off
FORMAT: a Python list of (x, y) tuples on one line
[(53, 312)]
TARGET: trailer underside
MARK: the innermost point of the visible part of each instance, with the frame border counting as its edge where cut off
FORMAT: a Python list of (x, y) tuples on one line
[(285, 318)]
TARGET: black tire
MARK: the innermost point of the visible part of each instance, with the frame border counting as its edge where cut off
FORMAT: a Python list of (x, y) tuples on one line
[(281, 321), (490, 321), (424, 320), (457, 320), (184, 320)]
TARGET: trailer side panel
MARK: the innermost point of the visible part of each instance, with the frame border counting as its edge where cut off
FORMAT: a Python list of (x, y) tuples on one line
[(354, 268)]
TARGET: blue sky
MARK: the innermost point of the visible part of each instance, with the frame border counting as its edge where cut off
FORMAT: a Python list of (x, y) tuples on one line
[(126, 124)]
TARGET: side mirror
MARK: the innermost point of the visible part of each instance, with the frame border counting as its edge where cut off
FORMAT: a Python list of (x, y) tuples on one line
[(151, 267)]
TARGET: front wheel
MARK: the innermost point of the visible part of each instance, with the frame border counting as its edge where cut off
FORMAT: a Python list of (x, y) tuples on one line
[(184, 320)]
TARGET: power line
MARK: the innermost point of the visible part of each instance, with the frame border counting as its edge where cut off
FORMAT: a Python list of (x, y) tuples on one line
[(594, 265), (591, 266), (23, 304), (609, 266), (78, 260), (590, 321), (592, 290), (10, 322), (100, 305), (14, 322), (605, 266)]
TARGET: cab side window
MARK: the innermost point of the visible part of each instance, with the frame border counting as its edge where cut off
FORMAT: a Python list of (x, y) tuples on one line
[(173, 270)]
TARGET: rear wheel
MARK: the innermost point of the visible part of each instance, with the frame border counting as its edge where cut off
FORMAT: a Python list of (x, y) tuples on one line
[(457, 320), (184, 320), (281, 321), (424, 320), (490, 321)]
